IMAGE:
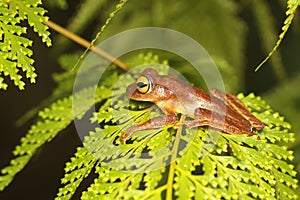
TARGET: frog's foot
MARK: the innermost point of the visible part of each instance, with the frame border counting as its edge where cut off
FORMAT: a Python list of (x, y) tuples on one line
[(124, 137)]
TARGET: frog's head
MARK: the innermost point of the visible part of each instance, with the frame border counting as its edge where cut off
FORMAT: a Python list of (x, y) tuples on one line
[(147, 87)]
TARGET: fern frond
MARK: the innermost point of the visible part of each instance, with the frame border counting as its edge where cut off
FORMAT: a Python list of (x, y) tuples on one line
[(38, 134), (292, 6), (15, 52), (43, 131), (76, 170), (109, 184), (237, 167), (184, 163), (53, 119), (112, 14), (267, 32), (86, 12)]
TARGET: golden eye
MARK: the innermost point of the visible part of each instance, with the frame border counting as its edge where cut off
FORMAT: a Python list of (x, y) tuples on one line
[(144, 84)]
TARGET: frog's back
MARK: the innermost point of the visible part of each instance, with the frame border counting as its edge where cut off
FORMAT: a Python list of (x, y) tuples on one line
[(188, 97)]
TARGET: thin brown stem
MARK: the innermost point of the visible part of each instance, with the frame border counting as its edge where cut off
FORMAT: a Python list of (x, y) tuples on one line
[(86, 44)]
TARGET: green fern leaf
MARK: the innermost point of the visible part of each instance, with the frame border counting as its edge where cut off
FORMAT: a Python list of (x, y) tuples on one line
[(76, 170), (292, 6), (15, 53), (53, 119), (40, 133), (237, 166), (35, 15)]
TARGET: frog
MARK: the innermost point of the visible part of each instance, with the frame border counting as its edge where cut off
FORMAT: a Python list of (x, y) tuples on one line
[(215, 109)]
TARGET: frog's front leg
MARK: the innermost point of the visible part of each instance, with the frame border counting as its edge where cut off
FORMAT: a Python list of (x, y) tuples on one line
[(156, 122), (217, 121)]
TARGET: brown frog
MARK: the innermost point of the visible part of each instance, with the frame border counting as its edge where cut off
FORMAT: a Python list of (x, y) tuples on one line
[(220, 111)]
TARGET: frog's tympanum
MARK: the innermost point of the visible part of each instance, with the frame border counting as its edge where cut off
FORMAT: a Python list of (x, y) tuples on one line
[(220, 111)]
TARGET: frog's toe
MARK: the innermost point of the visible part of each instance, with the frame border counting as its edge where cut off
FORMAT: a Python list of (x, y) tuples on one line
[(124, 137), (177, 125)]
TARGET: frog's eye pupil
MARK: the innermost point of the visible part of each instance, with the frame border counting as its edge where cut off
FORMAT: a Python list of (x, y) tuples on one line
[(141, 84), (144, 84)]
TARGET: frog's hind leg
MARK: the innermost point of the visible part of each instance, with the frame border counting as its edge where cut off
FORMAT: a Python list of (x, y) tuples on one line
[(239, 107), (205, 117)]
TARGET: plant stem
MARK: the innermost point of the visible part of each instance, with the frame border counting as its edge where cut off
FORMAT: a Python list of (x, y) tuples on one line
[(170, 181), (86, 44)]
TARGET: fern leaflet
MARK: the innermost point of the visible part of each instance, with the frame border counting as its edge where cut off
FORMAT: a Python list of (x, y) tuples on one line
[(15, 53)]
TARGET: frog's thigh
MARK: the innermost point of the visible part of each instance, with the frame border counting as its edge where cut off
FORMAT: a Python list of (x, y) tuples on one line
[(205, 117), (202, 118), (237, 105), (218, 94), (230, 100), (233, 102)]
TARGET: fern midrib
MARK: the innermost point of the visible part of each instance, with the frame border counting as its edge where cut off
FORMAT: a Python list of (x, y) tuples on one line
[(170, 181)]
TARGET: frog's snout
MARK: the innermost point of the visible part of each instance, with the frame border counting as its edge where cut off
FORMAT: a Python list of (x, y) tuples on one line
[(131, 89)]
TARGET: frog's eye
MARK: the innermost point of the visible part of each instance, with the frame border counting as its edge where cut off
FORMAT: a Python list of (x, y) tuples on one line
[(144, 84)]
